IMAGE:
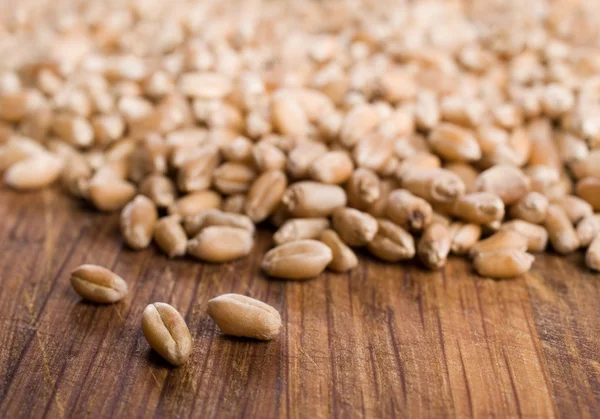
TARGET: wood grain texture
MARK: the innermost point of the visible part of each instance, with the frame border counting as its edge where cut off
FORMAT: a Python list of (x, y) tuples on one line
[(383, 341)]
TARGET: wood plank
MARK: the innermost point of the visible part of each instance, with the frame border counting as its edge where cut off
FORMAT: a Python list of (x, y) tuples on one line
[(384, 340)]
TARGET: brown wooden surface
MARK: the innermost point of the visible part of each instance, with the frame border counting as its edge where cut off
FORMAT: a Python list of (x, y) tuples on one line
[(382, 341)]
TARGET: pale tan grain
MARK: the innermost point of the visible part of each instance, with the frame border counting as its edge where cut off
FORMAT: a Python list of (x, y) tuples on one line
[(531, 208), (391, 243), (34, 172), (374, 152), (299, 229), (289, 118), (108, 128), (439, 218), (507, 115), (466, 172), (189, 137), (97, 284), (454, 143), (258, 124), (37, 125), (110, 171), (575, 207), (536, 235), (587, 229), (419, 161), (121, 149), (239, 315), (18, 148), (557, 100), (390, 168), (195, 202), (10, 82), (137, 222), (238, 150), (329, 125), (358, 123), (268, 157), (590, 166), (355, 228), (378, 207), (158, 84), (501, 264), (232, 178), (410, 145), (464, 236), (542, 178), (170, 236), (503, 239), (95, 158), (102, 101), (313, 199), (434, 185), (214, 217), (592, 255), (334, 167), (343, 257), (224, 115), (515, 150), (110, 194), (150, 156), (75, 130), (196, 174), (234, 203), (427, 110), (489, 138), (167, 333), (265, 194), (160, 189), (363, 189), (397, 84), (572, 149), (283, 143), (520, 146), (301, 158), (314, 102), (479, 208), (508, 182), (588, 189), (17, 105), (204, 85), (183, 154), (75, 175), (460, 110), (434, 246), (218, 244), (408, 210), (560, 230), (301, 259), (544, 150)]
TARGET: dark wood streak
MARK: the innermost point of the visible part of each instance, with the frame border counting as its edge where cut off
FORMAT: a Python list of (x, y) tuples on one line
[(334, 394), (61, 374), (443, 344), (536, 345), (512, 382), (467, 385), (382, 341), (127, 365), (34, 322), (401, 369)]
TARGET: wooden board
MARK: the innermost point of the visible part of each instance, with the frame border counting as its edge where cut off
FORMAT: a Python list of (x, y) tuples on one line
[(385, 340)]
